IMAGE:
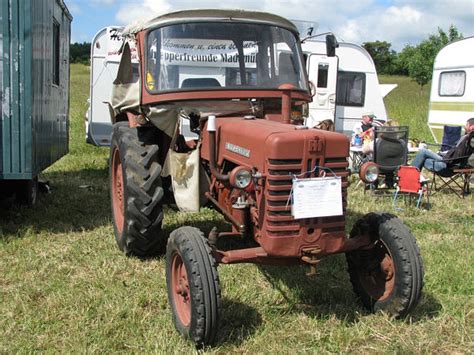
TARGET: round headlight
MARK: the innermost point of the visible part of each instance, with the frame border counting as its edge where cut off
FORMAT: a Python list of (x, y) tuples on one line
[(369, 172), (241, 177)]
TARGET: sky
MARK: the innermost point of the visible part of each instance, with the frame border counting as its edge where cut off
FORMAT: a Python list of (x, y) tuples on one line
[(399, 22)]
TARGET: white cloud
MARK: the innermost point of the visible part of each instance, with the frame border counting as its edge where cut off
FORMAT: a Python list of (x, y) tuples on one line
[(401, 22), (388, 24), (133, 12)]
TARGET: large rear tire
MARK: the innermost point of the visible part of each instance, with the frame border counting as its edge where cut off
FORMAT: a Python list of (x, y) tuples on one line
[(136, 190), (193, 285), (388, 277)]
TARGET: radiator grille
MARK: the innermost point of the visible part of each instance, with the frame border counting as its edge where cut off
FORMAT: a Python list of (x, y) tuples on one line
[(279, 220)]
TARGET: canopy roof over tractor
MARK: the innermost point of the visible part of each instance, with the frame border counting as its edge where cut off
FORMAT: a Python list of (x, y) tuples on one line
[(208, 15)]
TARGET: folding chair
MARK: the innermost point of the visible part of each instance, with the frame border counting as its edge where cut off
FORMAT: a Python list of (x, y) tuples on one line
[(410, 182), (390, 151), (456, 176), (451, 135), (455, 179)]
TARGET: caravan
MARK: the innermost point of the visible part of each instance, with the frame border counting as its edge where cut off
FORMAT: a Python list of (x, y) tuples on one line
[(452, 87), (346, 85), (105, 59)]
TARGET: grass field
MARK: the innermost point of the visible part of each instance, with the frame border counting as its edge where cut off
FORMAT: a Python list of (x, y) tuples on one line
[(65, 287)]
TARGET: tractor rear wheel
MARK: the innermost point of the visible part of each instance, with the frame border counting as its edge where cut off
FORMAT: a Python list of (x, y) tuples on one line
[(136, 190), (193, 285), (388, 277)]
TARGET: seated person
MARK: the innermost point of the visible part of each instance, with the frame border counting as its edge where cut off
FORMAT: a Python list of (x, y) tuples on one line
[(365, 124), (435, 162), (362, 128), (368, 136)]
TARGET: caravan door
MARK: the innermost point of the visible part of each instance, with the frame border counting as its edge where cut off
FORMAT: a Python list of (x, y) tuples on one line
[(322, 72)]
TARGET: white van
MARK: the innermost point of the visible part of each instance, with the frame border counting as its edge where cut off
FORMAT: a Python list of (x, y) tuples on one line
[(346, 85), (452, 87)]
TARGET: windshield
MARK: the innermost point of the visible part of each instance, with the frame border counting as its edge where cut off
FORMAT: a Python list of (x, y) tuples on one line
[(199, 56)]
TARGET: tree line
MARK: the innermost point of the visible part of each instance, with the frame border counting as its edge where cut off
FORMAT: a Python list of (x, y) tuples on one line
[(413, 61), (80, 53)]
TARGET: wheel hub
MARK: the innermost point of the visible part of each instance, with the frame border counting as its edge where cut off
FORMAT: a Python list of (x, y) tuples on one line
[(378, 276), (117, 191), (181, 294)]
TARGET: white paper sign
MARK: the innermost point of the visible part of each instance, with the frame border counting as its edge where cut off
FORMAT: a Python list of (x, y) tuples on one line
[(317, 197), (114, 44), (205, 52)]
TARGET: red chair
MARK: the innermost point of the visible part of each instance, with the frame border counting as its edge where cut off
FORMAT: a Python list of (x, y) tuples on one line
[(410, 182)]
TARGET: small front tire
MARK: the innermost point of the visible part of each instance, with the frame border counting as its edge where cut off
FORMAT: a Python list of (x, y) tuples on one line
[(193, 285)]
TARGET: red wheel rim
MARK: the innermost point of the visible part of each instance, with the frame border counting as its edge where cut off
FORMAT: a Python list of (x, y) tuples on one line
[(117, 190), (379, 280), (180, 290)]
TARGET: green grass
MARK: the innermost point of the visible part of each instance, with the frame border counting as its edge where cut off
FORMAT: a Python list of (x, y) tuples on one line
[(65, 287), (408, 104)]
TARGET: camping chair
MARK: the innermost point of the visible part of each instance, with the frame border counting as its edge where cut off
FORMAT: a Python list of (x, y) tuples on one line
[(451, 135), (390, 151), (410, 182), (455, 177)]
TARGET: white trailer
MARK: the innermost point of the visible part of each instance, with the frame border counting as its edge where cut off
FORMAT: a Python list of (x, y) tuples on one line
[(105, 59), (452, 87), (346, 85)]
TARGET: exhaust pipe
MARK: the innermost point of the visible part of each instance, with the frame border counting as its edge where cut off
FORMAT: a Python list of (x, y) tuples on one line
[(211, 129), (286, 102)]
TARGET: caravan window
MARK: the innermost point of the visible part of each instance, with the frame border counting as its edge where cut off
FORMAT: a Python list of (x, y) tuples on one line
[(323, 69), (452, 83), (350, 89)]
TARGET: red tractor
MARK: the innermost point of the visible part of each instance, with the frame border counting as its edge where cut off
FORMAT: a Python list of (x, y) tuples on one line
[(235, 82)]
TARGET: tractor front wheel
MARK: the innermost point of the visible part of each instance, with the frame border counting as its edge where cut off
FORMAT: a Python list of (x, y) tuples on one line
[(388, 277), (193, 285)]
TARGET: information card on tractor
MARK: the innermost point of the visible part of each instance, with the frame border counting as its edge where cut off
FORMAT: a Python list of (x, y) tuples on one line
[(316, 197)]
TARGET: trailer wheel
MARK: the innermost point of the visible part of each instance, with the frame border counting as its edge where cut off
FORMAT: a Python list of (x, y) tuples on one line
[(136, 191), (193, 285), (27, 191), (388, 277)]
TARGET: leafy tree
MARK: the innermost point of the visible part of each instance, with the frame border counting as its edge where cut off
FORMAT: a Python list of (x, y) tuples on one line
[(80, 52), (421, 58), (382, 54), (400, 64)]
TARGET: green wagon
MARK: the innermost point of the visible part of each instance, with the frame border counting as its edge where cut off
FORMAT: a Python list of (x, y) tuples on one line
[(34, 91)]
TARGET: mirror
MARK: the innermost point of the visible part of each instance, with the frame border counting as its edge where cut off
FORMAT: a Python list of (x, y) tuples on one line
[(331, 45)]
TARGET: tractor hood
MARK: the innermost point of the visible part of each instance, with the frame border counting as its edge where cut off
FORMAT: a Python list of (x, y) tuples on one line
[(239, 140)]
